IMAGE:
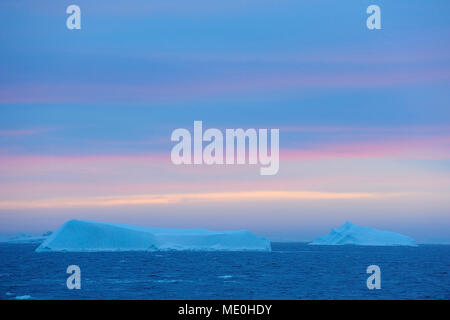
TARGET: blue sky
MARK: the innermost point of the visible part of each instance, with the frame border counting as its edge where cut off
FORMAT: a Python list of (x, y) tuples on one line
[(87, 114)]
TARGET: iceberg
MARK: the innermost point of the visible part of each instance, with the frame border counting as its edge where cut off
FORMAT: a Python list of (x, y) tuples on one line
[(438, 241), (350, 233), (26, 238), (85, 236)]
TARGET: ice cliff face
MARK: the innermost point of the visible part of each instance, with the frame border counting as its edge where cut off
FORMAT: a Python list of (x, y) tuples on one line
[(365, 236), (80, 235)]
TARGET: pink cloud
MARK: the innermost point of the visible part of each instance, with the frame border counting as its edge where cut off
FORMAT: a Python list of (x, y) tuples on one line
[(254, 83), (38, 160), (23, 132), (368, 130), (405, 146), (431, 148)]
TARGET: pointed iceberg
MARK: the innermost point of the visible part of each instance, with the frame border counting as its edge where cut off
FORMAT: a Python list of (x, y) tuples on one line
[(82, 235), (364, 236)]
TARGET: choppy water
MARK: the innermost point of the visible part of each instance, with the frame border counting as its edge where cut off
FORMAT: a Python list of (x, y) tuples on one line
[(290, 271)]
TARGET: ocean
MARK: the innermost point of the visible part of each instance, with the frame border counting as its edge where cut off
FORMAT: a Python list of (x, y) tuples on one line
[(290, 271)]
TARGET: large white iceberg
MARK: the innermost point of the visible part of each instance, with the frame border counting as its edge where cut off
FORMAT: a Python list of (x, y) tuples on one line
[(364, 236), (81, 236)]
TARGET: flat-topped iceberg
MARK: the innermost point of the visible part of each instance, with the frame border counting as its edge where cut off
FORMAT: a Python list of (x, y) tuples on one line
[(83, 236), (364, 236)]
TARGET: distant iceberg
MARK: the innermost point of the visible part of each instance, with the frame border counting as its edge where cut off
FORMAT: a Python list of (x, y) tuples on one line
[(26, 238), (81, 236), (440, 241), (364, 236)]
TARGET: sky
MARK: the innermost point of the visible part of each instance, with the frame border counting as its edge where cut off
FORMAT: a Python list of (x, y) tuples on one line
[(86, 115)]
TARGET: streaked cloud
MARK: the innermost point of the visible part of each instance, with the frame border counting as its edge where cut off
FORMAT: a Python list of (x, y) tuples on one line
[(167, 199), (275, 82), (23, 132)]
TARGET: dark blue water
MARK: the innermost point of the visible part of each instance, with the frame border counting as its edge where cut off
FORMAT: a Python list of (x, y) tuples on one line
[(290, 271)]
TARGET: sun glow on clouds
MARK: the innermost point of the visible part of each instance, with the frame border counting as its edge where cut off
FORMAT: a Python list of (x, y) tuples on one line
[(167, 199)]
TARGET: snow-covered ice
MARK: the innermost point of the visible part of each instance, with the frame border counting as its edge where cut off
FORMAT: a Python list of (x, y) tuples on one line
[(365, 236), (82, 235)]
